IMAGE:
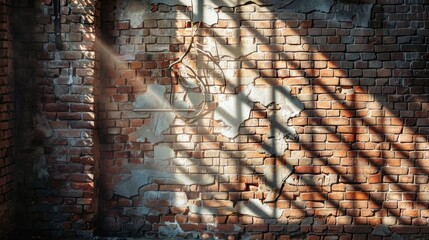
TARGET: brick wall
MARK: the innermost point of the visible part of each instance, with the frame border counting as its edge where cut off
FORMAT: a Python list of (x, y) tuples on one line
[(56, 87), (6, 121), (313, 123), (355, 150)]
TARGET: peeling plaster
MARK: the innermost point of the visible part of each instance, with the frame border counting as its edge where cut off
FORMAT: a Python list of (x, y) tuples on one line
[(202, 11), (233, 111), (289, 107), (358, 14), (41, 126), (308, 6), (205, 11), (254, 207), (154, 98), (135, 11), (163, 152), (172, 230), (141, 177), (276, 174)]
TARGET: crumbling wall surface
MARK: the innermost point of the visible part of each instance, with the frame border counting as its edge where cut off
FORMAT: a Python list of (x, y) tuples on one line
[(6, 122), (56, 88), (284, 119)]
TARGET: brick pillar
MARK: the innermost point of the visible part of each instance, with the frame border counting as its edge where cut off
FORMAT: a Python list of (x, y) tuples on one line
[(56, 96), (6, 124)]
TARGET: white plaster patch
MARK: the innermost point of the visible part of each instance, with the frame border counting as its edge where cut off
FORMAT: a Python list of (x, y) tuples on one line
[(141, 177), (202, 11), (135, 11), (254, 207), (276, 174), (308, 6), (358, 14), (233, 111), (154, 98), (163, 152), (289, 107)]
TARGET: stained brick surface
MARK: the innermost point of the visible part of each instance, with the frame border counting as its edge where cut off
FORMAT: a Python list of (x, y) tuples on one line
[(6, 122), (355, 164), (362, 137)]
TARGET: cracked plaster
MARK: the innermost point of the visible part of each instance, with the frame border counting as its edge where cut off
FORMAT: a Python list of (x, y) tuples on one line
[(232, 111), (155, 98), (289, 107), (276, 174), (205, 11), (141, 177), (135, 11)]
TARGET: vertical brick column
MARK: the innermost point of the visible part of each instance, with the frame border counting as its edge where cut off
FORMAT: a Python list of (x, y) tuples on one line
[(56, 89), (6, 124)]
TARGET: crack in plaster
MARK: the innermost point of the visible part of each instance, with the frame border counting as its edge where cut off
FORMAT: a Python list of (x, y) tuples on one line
[(232, 111), (153, 98), (141, 177), (205, 11), (135, 11), (254, 207), (289, 107), (308, 6), (275, 175)]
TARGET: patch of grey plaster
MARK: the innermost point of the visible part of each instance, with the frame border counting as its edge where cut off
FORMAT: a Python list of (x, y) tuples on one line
[(276, 175), (172, 230), (70, 79), (144, 211), (154, 98), (165, 198), (192, 179), (188, 100), (141, 177), (202, 11), (138, 178), (289, 107), (235, 78), (254, 207), (41, 126), (358, 14), (40, 166), (308, 6), (381, 230), (135, 11), (162, 152), (232, 111)]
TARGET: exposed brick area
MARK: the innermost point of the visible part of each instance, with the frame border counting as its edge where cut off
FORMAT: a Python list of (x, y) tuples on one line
[(355, 164), (6, 122), (362, 137), (56, 87)]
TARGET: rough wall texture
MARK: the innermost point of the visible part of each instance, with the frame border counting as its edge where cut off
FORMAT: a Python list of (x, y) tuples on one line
[(314, 119), (56, 86), (6, 121), (285, 119)]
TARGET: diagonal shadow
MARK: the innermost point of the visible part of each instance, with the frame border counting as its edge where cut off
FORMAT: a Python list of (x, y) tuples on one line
[(349, 146)]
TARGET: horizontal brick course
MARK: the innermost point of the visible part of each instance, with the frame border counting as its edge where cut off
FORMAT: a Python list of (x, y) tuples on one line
[(354, 158)]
